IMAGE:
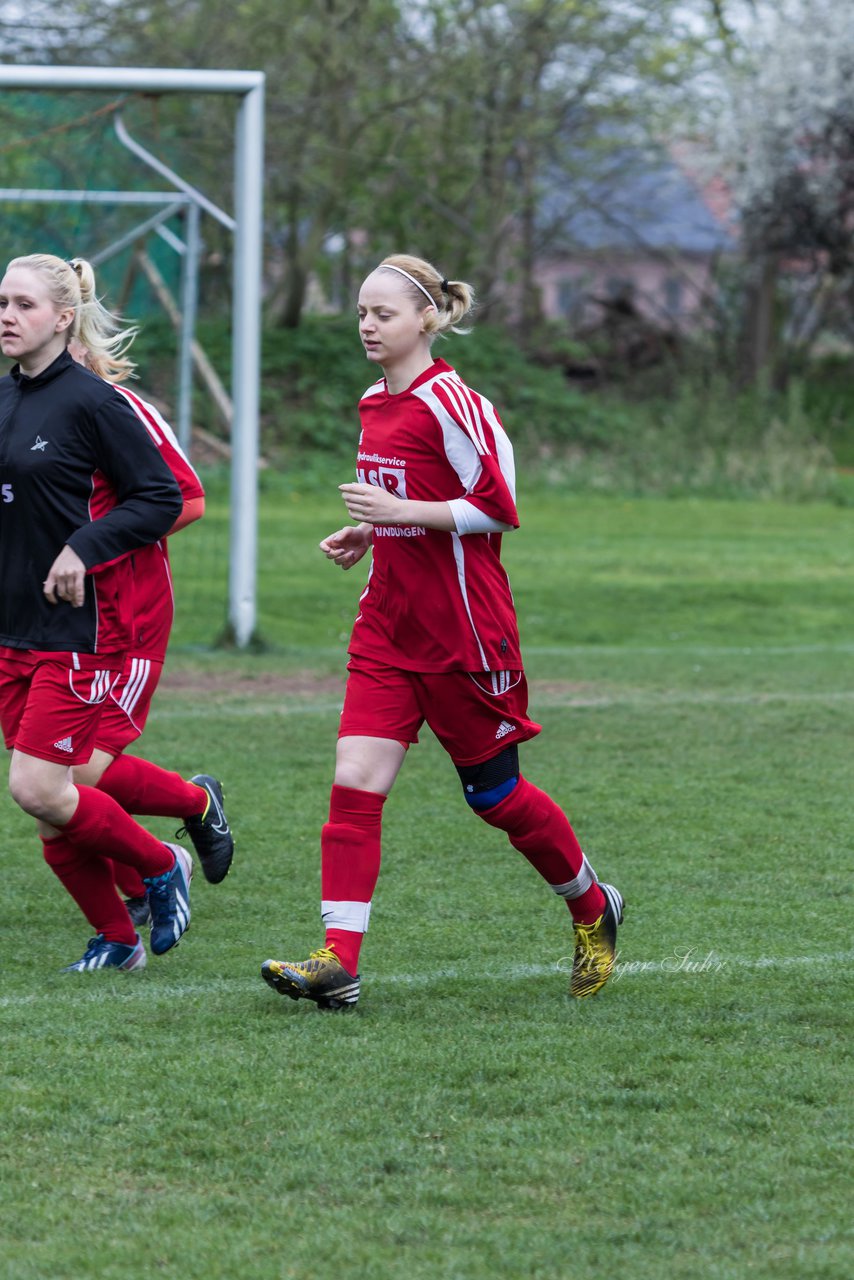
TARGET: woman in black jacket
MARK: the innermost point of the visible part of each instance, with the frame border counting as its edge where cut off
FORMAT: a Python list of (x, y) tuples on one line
[(83, 485)]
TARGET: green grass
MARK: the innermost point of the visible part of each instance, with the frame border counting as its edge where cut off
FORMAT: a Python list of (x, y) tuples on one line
[(692, 664)]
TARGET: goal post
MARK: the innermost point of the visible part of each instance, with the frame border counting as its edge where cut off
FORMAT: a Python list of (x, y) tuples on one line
[(248, 87)]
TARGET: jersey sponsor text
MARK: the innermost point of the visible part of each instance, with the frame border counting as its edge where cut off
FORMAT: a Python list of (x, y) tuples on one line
[(399, 530)]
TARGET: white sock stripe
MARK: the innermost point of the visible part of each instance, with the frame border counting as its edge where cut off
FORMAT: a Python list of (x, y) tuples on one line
[(353, 916), (582, 882)]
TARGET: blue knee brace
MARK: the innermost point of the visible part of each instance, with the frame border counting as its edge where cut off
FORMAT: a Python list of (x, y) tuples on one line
[(488, 783)]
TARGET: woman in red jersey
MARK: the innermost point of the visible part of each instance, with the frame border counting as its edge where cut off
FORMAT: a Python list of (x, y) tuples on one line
[(436, 639), (140, 786), (83, 487)]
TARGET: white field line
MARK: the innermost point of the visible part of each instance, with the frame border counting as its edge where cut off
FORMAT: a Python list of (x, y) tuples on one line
[(676, 650), (673, 698), (237, 710), (686, 962), (639, 700)]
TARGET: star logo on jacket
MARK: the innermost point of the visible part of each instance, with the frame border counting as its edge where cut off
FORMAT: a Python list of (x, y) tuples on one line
[(39, 444)]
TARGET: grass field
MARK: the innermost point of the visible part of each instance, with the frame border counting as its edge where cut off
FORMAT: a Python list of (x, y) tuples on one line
[(693, 667)]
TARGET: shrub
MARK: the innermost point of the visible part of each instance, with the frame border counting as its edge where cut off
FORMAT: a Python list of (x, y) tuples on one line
[(701, 437)]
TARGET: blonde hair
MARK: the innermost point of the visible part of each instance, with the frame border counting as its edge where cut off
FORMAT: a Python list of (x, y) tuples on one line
[(453, 299), (103, 335)]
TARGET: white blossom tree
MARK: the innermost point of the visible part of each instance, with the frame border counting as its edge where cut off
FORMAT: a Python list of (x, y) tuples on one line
[(785, 137)]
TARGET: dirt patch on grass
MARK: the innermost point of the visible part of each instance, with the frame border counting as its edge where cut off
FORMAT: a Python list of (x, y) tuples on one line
[(581, 692), (263, 685), (257, 686)]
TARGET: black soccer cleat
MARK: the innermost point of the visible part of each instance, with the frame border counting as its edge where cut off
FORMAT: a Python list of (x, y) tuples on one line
[(210, 832), (139, 911)]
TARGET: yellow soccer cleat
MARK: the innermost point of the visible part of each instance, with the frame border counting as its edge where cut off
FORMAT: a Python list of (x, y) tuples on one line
[(596, 947), (321, 978)]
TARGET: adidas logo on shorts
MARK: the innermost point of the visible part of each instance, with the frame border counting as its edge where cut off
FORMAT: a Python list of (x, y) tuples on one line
[(64, 744), (503, 729)]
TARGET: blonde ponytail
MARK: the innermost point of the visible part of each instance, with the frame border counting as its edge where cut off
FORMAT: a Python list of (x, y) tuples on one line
[(99, 331), (453, 300)]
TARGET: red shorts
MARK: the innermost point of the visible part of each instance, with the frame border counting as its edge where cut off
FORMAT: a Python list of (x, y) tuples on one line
[(50, 703), (126, 709), (473, 714)]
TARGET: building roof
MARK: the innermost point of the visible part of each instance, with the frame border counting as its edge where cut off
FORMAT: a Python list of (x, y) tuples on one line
[(632, 202)]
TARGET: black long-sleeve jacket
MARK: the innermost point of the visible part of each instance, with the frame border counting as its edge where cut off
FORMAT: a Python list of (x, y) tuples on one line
[(77, 467)]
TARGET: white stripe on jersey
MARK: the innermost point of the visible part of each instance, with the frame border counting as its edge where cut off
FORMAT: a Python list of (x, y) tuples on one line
[(503, 447), (464, 448), (148, 415), (460, 561), (460, 449), (460, 396), (157, 426)]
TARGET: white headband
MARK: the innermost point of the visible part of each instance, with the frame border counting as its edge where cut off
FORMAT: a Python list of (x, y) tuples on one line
[(387, 266)]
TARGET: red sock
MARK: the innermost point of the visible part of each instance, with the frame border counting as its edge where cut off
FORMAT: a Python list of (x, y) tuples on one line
[(127, 880), (89, 880), (142, 787), (100, 825), (539, 829), (350, 850)]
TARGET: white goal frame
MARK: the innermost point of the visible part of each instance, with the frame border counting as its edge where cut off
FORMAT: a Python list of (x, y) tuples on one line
[(246, 295)]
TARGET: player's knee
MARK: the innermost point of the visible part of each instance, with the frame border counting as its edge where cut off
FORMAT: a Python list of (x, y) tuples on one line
[(37, 792), (30, 795), (487, 784)]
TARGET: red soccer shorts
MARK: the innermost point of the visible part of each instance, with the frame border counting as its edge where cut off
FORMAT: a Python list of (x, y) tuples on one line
[(473, 714), (50, 703), (126, 709)]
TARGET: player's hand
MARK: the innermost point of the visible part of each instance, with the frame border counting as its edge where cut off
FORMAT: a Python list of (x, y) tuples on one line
[(372, 504), (346, 547), (66, 579)]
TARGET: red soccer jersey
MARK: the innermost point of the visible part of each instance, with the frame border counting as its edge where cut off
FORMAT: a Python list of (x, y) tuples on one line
[(437, 601), (153, 599)]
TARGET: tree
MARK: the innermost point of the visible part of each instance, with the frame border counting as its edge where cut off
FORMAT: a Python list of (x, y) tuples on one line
[(431, 126), (785, 125), (517, 94)]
